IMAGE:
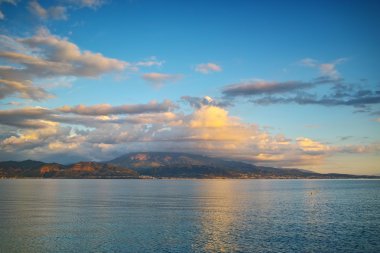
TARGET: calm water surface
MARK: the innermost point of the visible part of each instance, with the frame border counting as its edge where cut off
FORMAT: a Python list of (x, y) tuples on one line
[(189, 215)]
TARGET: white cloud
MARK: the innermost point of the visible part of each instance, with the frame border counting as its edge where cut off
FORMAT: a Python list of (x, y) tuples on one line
[(62, 57), (325, 69), (53, 12), (23, 89), (206, 68), (150, 62), (88, 3), (311, 146), (159, 79), (45, 57), (59, 12)]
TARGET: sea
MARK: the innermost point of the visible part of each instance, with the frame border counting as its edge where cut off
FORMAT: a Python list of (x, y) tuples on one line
[(204, 215)]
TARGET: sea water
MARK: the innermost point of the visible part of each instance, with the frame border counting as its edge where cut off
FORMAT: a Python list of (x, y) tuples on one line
[(64, 215)]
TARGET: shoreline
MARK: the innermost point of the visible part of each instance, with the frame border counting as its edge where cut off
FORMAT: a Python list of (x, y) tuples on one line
[(194, 178)]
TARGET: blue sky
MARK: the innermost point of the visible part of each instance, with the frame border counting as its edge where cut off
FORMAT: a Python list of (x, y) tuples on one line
[(287, 83)]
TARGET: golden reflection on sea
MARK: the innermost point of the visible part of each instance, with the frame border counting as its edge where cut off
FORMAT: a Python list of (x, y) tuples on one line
[(218, 220)]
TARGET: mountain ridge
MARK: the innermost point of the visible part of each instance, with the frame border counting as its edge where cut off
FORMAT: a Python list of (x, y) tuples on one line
[(157, 165)]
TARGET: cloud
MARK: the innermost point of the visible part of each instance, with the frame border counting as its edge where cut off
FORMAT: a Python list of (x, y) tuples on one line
[(101, 133), (10, 44), (53, 12), (13, 2), (28, 117), (209, 117), (150, 62), (53, 142), (359, 149), (351, 99), (13, 103), (69, 58), (59, 12), (159, 79), (338, 92), (258, 87), (23, 89), (311, 147), (206, 68), (89, 116), (106, 109), (88, 3), (325, 69), (45, 56), (197, 102), (30, 138)]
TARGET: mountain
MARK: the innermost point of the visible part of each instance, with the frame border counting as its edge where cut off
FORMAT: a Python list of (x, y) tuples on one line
[(31, 168), (182, 165), (27, 168), (157, 165)]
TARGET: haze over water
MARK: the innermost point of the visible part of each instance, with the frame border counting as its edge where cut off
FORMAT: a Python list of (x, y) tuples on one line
[(189, 215)]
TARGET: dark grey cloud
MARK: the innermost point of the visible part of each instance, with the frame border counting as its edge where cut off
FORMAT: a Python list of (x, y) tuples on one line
[(264, 87), (106, 109), (29, 117), (38, 117), (344, 138), (339, 93), (327, 100)]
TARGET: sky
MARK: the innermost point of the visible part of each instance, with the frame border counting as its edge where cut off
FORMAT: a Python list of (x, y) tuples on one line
[(290, 84)]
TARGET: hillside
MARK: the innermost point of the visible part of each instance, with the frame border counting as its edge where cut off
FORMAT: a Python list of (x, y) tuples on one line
[(37, 169)]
